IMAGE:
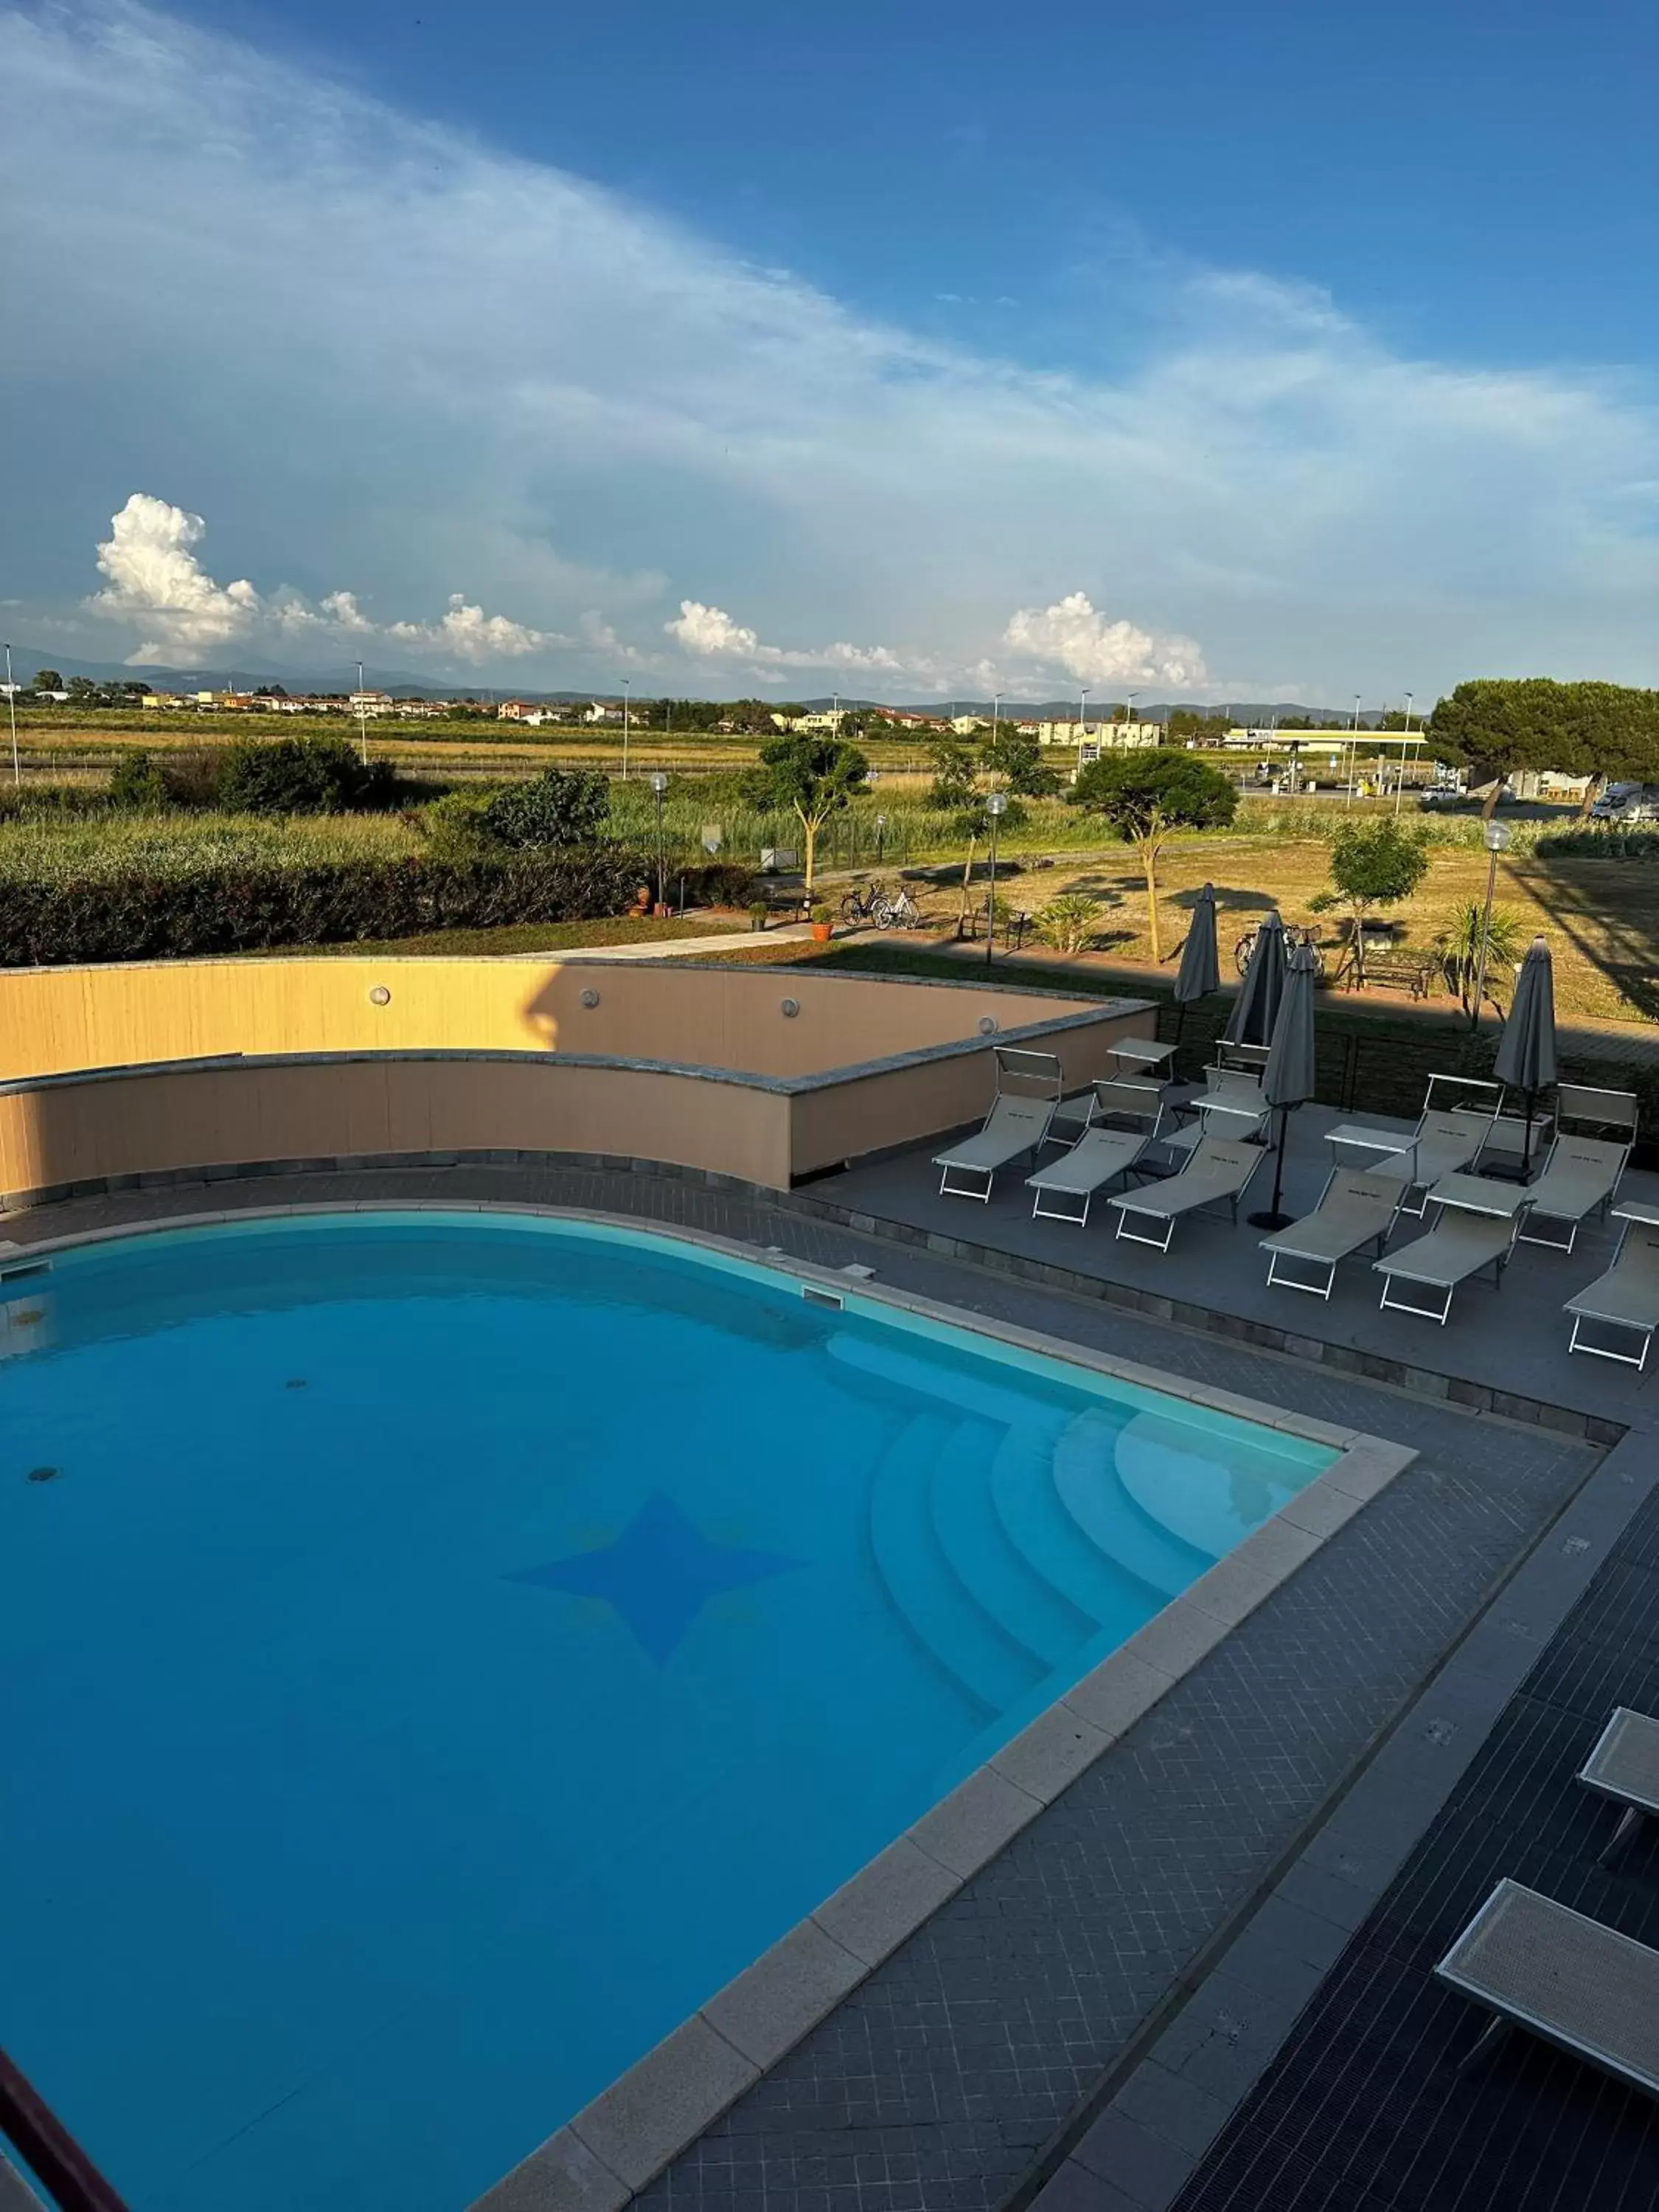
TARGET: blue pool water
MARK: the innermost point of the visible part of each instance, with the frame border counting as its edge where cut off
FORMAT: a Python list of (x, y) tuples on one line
[(438, 1650)]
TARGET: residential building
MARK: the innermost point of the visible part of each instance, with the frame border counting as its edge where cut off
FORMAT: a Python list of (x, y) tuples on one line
[(372, 702), (521, 710), (1097, 738)]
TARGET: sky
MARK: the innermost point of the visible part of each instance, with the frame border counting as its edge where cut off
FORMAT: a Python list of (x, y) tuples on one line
[(1198, 352)]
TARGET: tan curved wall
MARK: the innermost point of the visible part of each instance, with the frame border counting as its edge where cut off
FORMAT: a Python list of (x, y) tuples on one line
[(328, 1112), (56, 1020)]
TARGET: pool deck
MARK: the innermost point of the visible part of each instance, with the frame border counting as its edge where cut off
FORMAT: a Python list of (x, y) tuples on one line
[(1011, 2045)]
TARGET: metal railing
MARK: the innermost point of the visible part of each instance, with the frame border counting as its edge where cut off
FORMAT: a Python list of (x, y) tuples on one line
[(47, 2148)]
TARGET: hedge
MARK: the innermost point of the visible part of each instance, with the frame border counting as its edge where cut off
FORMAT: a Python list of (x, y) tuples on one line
[(144, 917)]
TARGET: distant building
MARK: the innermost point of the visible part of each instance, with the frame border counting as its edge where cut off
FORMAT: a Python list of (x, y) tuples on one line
[(599, 712), (370, 703), (521, 710), (965, 725), (1097, 737)]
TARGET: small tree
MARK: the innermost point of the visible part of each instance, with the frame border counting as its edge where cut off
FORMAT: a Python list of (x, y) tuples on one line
[(138, 786), (812, 774), (561, 806), (1012, 757), (1372, 864), (48, 680), (953, 773), (1147, 796), (1459, 946)]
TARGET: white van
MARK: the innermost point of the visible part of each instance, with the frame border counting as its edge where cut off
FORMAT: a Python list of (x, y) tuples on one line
[(1628, 804)]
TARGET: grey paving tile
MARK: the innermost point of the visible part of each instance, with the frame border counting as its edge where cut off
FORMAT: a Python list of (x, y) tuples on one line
[(976, 1820), (677, 2089), (1045, 1758), (563, 2176), (771, 2005), (886, 1901), (1075, 2189), (1172, 2106), (1143, 2163)]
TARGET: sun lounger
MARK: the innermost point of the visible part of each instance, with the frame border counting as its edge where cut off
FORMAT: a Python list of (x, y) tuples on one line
[(1122, 1096), (1627, 1295), (1216, 1174), (1096, 1159), (1458, 1246), (1583, 1170), (1028, 1091), (1354, 1210), (1625, 1767), (1572, 1981), (1231, 1106)]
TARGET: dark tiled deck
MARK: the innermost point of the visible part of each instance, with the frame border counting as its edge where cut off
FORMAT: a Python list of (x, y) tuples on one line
[(1362, 2111)]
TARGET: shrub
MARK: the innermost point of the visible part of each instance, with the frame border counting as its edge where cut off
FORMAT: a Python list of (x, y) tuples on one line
[(561, 806), (1459, 946), (1069, 922), (238, 909), (453, 826), (718, 883), (138, 785), (1600, 845), (192, 776), (301, 775)]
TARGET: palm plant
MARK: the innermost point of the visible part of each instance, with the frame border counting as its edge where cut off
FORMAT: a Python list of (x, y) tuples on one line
[(1459, 946)]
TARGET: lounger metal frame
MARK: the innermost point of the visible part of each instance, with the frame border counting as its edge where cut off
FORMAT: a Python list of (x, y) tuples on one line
[(1310, 1260), (1507, 2015), (1015, 1065), (1638, 1361), (1597, 1774), (1593, 1118), (1125, 1207), (1476, 1083), (1041, 1212), (1499, 1261)]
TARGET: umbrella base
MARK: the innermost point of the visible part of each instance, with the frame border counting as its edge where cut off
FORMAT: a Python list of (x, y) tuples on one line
[(1270, 1220)]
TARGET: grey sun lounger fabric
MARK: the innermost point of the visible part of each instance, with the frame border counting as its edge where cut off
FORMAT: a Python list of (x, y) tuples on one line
[(1447, 1140), (1626, 1298), (1098, 1157), (1013, 1125), (1576, 1982), (1458, 1246), (1580, 1173), (1231, 1106), (1354, 1210), (1216, 1174), (1625, 1768)]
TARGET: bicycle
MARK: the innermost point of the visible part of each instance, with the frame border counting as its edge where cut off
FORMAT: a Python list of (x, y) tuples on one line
[(870, 903), (1294, 935)]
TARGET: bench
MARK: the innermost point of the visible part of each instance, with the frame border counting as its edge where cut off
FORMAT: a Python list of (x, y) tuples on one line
[(1397, 971)]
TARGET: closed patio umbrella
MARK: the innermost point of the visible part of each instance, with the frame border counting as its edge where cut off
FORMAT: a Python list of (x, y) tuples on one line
[(1288, 1079), (1200, 972), (1526, 1051), (1256, 1007)]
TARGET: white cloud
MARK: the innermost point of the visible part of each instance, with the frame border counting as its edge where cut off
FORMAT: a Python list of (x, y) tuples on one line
[(1094, 650), (439, 346), (710, 633), (156, 580)]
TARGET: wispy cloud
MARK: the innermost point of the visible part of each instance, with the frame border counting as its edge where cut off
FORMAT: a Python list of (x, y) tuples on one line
[(370, 349)]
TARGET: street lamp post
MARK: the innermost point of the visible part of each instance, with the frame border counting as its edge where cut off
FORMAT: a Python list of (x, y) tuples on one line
[(1354, 742), (1405, 746), (362, 717), (658, 785), (881, 836), (11, 701), (1497, 836), (627, 680), (996, 806), (1128, 714), (1081, 696)]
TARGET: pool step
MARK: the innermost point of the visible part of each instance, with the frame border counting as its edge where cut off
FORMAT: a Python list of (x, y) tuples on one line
[(1032, 1609), (1087, 1485), (1059, 1552), (921, 1583)]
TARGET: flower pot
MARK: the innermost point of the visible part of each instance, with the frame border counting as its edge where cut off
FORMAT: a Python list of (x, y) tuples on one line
[(822, 931), (757, 923)]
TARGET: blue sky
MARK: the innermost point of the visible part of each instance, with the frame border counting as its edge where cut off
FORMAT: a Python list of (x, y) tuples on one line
[(1203, 351)]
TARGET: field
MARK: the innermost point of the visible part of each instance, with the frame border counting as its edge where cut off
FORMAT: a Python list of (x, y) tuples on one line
[(1600, 917)]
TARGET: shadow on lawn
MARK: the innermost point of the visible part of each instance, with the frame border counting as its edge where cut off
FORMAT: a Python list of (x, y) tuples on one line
[(1609, 911)]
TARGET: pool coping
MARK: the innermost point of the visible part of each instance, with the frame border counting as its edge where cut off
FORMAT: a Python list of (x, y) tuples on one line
[(617, 2143)]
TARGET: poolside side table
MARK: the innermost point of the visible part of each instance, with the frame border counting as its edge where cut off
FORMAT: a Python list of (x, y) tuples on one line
[(1371, 1140), (1141, 1055), (1625, 1767)]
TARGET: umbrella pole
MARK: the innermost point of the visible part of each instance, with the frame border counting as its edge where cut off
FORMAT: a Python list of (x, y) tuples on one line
[(1526, 1148), (1174, 1051), (1274, 1218)]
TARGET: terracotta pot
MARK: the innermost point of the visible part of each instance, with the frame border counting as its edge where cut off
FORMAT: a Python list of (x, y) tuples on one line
[(822, 931)]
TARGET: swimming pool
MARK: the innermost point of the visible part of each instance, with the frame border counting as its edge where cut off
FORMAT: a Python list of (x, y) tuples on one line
[(438, 1650)]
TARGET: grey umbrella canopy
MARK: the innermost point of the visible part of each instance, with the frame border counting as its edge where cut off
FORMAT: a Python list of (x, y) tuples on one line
[(1200, 972), (1256, 1007), (1526, 1051), (1288, 1079)]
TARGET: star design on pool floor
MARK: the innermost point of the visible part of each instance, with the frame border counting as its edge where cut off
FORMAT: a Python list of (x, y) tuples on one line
[(658, 1574)]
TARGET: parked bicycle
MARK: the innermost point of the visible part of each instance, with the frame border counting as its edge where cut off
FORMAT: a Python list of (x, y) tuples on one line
[(1294, 935), (873, 903)]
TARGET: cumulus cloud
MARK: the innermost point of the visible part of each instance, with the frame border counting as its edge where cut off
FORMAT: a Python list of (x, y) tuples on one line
[(710, 633), (156, 580), (1096, 650), (439, 342)]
